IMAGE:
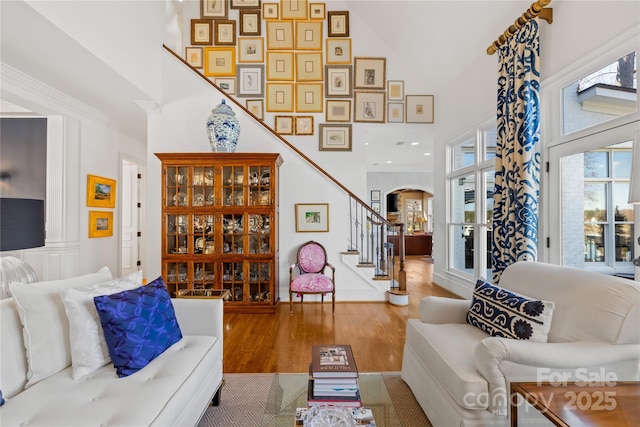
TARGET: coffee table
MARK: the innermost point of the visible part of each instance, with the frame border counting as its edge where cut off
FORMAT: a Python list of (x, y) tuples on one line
[(289, 391)]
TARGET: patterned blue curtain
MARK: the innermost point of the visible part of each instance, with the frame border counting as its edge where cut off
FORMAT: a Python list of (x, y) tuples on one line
[(517, 182)]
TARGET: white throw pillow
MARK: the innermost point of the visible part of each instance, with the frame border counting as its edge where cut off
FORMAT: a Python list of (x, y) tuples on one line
[(88, 348), (44, 323)]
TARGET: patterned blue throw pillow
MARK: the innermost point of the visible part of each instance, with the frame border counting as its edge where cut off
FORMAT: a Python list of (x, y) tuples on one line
[(138, 325), (502, 313)]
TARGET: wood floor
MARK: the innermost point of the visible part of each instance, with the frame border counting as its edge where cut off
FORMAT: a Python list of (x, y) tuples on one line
[(262, 343)]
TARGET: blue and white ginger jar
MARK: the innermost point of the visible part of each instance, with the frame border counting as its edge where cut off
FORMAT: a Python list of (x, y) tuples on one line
[(223, 129)]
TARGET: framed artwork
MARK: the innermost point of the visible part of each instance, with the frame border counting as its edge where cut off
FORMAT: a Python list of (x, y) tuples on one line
[(293, 9), (338, 23), (270, 11), (338, 110), (304, 125), (395, 112), (193, 56), (250, 80), (312, 217), (250, 23), (284, 125), (245, 4), (370, 73), (335, 137), (280, 97), (201, 32), (256, 107), (308, 35), (280, 65), (375, 195), (338, 51), (227, 84), (220, 61), (317, 10), (419, 108), (225, 32), (101, 192), (308, 66), (212, 9), (251, 49), (279, 35), (100, 224), (395, 90), (369, 107), (309, 97), (375, 206), (338, 81)]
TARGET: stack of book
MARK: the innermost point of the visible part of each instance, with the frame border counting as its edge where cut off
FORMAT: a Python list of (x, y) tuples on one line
[(333, 377)]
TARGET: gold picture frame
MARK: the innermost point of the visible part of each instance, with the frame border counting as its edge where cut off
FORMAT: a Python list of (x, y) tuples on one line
[(201, 31), (270, 11), (308, 66), (220, 61), (335, 137), (279, 35), (304, 125), (100, 224), (250, 49), (309, 98), (312, 217), (193, 56), (370, 73), (419, 109), (338, 23), (245, 4), (308, 35), (293, 9), (338, 110), (279, 97), (225, 32), (280, 65), (256, 107), (395, 90), (284, 125), (250, 22), (101, 192), (214, 9), (369, 107), (338, 51), (338, 81), (317, 10)]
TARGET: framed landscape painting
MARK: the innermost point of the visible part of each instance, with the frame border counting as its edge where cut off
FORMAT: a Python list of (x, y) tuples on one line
[(100, 224), (101, 192), (312, 217)]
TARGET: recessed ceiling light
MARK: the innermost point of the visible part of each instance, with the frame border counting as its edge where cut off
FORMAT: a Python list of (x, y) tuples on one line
[(389, 161), (415, 143), (427, 154)]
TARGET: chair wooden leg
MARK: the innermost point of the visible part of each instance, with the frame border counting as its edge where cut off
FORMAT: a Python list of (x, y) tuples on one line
[(333, 302), (290, 302)]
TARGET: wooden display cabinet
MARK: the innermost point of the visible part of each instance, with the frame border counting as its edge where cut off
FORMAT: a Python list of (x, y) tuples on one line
[(219, 226)]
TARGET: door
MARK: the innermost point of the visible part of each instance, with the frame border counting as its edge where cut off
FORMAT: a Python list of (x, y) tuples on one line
[(130, 218)]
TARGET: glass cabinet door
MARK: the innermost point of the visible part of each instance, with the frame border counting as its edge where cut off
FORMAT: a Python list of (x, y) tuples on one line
[(259, 233), (203, 275), (259, 281), (259, 186), (233, 186), (177, 233), (177, 186), (177, 276), (203, 234), (233, 279), (203, 186), (233, 233)]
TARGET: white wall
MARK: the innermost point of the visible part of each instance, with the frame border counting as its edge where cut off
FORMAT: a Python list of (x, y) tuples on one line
[(578, 29)]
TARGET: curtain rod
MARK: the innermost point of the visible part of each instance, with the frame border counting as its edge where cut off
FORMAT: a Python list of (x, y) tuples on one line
[(536, 9)]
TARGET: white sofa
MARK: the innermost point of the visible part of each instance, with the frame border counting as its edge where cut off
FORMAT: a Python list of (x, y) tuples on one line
[(460, 375), (174, 389)]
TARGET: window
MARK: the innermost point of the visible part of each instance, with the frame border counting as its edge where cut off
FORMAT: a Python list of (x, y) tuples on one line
[(471, 184)]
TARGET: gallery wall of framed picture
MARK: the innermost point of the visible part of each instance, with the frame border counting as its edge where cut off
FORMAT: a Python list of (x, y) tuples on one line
[(297, 62)]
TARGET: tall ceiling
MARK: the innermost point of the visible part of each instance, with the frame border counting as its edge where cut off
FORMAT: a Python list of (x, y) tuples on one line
[(434, 40)]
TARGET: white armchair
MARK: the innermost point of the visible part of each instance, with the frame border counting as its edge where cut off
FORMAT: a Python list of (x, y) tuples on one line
[(460, 375)]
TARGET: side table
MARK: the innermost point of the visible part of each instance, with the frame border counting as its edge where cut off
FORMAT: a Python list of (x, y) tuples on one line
[(573, 404)]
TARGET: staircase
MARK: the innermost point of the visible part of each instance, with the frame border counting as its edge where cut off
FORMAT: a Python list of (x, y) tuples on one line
[(368, 253)]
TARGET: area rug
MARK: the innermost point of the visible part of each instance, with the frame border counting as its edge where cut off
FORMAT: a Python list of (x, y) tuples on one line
[(244, 397)]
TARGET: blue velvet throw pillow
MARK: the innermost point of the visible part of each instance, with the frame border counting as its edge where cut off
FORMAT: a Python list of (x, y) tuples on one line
[(138, 325), (502, 313)]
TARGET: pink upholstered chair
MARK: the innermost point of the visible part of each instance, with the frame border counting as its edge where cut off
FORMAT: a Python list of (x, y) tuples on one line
[(311, 279)]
